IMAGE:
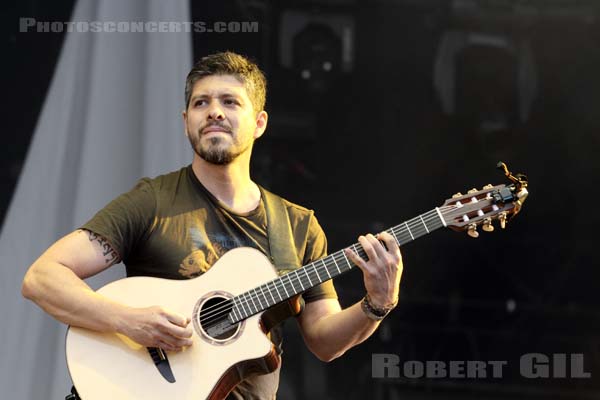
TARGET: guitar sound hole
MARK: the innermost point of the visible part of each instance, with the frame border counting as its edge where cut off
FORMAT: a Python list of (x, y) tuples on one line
[(213, 321)]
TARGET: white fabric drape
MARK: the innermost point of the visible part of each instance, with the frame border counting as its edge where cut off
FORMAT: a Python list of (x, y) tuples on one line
[(112, 115)]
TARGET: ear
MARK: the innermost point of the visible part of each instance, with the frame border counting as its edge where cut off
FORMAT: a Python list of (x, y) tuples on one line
[(184, 115), (261, 124)]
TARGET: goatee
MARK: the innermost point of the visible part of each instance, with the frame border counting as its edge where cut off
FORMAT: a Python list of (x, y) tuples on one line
[(214, 154)]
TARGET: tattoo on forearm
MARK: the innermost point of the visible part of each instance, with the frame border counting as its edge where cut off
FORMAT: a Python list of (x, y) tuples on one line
[(110, 256)]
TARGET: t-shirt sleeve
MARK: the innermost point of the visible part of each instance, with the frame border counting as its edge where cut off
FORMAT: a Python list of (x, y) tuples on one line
[(316, 248), (126, 220)]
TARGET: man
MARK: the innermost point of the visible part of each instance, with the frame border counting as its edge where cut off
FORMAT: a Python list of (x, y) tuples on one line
[(177, 225)]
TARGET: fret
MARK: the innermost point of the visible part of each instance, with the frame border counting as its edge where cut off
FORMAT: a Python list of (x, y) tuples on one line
[(424, 224), (285, 289), (323, 276), (358, 251), (316, 272), (256, 297), (260, 302), (279, 294), (346, 258), (294, 288), (263, 294), (252, 300), (441, 217), (401, 231), (309, 281), (415, 224), (299, 280), (409, 231), (235, 313), (271, 293), (244, 309), (394, 235), (240, 308), (327, 269)]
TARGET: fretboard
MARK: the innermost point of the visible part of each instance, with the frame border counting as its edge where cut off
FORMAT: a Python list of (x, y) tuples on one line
[(317, 272)]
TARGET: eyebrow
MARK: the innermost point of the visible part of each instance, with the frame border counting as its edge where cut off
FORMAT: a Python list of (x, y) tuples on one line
[(220, 95)]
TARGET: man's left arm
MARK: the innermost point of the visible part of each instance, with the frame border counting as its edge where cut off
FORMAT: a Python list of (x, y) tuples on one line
[(330, 331)]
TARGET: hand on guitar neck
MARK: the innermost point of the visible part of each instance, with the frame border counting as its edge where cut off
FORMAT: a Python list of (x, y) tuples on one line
[(382, 271)]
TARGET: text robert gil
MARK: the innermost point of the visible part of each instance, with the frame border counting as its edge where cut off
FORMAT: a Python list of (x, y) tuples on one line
[(531, 365)]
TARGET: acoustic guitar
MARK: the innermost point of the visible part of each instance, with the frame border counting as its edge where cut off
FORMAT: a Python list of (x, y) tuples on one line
[(227, 304)]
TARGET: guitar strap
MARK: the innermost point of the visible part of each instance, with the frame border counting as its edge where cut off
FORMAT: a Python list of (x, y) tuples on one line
[(279, 233), (282, 247)]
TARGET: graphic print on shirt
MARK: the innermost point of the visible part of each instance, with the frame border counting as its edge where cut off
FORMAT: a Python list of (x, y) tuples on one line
[(206, 250)]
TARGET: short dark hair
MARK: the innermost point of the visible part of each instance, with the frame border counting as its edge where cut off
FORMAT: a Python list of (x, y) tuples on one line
[(229, 63)]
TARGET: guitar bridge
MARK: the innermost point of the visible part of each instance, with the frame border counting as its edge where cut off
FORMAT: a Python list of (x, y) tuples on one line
[(162, 363)]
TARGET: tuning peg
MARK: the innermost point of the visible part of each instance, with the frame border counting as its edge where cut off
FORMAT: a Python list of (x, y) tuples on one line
[(502, 219), (472, 231), (488, 186), (487, 225), (457, 194), (472, 191)]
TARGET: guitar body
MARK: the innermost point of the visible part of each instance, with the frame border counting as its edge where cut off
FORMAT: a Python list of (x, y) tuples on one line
[(111, 366)]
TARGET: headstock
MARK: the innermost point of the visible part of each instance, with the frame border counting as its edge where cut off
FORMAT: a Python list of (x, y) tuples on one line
[(482, 207)]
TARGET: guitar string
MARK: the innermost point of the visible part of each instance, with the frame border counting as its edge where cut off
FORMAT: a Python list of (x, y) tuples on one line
[(403, 234), (227, 305)]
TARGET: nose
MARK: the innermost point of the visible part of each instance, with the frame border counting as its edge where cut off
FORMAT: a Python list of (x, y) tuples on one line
[(215, 112)]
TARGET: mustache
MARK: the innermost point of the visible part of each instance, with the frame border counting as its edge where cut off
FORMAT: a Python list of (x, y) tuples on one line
[(220, 125)]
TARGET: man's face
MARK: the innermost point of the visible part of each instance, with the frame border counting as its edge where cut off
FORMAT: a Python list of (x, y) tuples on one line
[(220, 121)]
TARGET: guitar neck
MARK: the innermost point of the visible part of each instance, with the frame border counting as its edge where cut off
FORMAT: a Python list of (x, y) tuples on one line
[(317, 272)]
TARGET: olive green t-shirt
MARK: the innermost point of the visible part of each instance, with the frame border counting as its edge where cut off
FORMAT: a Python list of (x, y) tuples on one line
[(173, 227)]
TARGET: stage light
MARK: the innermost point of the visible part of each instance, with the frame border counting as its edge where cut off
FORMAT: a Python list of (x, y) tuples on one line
[(487, 77), (316, 47)]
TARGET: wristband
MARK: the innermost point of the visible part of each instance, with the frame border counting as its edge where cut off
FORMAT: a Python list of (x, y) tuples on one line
[(375, 313)]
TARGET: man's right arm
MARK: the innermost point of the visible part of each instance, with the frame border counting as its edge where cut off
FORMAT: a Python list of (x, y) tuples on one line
[(55, 283)]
